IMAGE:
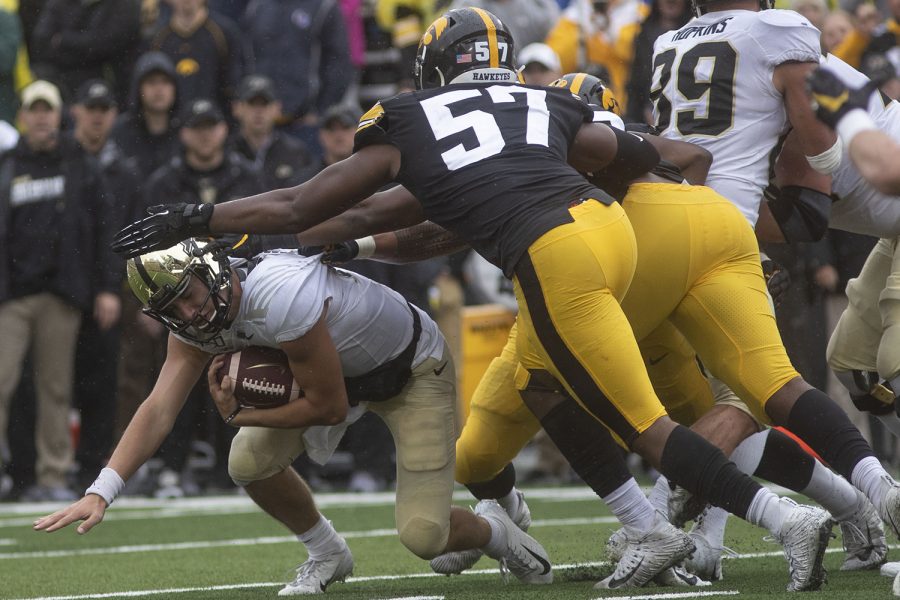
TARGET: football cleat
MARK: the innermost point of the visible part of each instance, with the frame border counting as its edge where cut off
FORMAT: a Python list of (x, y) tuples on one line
[(890, 507), (890, 569), (896, 587), (679, 577), (316, 574), (683, 506), (706, 561), (616, 544), (863, 538), (454, 563), (647, 554), (804, 536), (522, 556)]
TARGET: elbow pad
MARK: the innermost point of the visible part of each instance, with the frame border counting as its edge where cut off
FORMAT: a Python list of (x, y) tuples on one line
[(634, 156), (801, 213)]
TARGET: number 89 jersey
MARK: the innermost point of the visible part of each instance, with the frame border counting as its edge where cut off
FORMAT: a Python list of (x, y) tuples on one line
[(487, 162), (712, 85)]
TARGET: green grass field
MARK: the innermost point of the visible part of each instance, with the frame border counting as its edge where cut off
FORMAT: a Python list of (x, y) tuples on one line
[(223, 548)]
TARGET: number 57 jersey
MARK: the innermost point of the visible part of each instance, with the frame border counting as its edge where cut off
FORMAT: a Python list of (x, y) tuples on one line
[(486, 161), (712, 85)]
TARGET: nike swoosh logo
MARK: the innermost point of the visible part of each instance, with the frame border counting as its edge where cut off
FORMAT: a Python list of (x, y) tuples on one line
[(539, 558), (264, 365), (440, 370), (653, 361), (686, 577), (614, 583)]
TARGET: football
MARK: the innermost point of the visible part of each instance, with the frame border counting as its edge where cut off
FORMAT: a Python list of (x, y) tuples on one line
[(262, 377)]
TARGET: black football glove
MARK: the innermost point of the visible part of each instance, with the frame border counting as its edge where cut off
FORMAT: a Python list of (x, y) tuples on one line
[(167, 225), (832, 99), (778, 280), (338, 254)]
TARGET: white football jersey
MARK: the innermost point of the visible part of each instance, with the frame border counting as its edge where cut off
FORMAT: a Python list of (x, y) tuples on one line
[(712, 85), (284, 295), (861, 208)]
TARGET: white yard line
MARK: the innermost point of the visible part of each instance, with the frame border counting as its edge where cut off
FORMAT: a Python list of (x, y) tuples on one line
[(370, 533), (668, 595)]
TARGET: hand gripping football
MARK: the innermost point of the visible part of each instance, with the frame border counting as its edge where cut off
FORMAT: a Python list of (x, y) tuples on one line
[(262, 377)]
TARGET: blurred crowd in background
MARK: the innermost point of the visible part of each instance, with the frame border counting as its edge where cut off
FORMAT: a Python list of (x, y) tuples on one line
[(110, 106)]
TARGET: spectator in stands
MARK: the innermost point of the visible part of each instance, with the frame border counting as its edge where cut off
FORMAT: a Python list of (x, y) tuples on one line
[(598, 33), (529, 21), (302, 46), (75, 41), (814, 10), (665, 15), (405, 22), (282, 160), (540, 64), (97, 354), (208, 51), (54, 263), (384, 69), (15, 73), (147, 132), (888, 39)]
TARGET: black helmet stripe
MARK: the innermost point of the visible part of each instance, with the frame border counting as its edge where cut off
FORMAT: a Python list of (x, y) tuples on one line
[(139, 265)]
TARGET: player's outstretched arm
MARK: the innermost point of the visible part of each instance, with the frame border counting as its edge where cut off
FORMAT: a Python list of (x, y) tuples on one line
[(145, 433), (597, 146), (419, 242), (874, 153), (289, 210), (382, 212)]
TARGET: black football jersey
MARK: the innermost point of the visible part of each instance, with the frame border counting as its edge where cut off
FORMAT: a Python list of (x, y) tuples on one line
[(487, 162)]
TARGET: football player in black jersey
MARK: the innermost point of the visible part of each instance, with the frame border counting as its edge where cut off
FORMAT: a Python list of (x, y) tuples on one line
[(497, 163)]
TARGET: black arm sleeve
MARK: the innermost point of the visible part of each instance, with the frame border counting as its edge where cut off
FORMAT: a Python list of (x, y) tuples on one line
[(634, 157), (801, 213)]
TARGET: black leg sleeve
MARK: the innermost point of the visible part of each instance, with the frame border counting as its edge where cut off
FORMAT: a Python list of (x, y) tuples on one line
[(784, 462), (821, 423), (588, 446), (499, 486), (699, 467)]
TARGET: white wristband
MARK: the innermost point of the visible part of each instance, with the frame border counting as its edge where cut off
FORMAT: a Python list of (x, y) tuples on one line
[(828, 161), (108, 485), (854, 122), (366, 247)]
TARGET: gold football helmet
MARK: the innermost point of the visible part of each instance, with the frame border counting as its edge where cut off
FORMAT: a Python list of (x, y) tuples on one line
[(159, 278)]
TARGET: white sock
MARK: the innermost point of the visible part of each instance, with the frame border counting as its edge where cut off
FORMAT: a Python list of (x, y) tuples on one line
[(711, 524), (659, 496), (870, 477), (892, 422), (768, 510), (833, 492), (510, 503), (496, 546), (749, 453), (631, 507), (321, 539)]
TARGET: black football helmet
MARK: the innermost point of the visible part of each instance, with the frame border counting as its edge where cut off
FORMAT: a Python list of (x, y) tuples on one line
[(465, 44), (590, 89), (699, 6)]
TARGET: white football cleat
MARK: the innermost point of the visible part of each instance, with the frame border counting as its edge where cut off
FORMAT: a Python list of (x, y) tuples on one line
[(890, 507), (679, 577), (890, 569), (706, 562), (454, 563), (896, 587), (616, 545), (647, 554), (863, 538), (316, 574), (804, 536), (522, 556)]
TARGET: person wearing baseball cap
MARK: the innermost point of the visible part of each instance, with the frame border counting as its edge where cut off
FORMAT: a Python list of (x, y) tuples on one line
[(337, 128), (284, 161), (540, 64)]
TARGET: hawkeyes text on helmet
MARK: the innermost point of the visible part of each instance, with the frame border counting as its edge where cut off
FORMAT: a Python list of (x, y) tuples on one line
[(159, 278), (465, 45)]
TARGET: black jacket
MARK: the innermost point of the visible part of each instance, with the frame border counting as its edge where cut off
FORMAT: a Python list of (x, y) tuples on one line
[(284, 162), (130, 133), (85, 264)]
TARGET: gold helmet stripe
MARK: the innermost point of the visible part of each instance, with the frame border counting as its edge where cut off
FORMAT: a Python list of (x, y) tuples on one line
[(491, 35), (577, 82), (139, 265)]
